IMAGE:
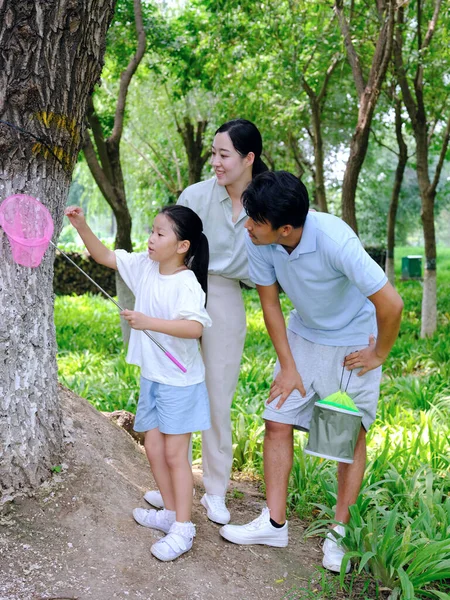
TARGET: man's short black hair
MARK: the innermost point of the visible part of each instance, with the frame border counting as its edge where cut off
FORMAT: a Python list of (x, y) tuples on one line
[(278, 198)]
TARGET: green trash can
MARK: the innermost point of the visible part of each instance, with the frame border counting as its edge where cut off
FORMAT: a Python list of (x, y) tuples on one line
[(411, 267)]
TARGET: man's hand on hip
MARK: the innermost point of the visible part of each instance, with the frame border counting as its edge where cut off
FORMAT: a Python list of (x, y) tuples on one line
[(286, 381), (366, 359)]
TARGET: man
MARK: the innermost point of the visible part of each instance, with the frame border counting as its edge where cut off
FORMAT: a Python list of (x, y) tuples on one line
[(346, 314)]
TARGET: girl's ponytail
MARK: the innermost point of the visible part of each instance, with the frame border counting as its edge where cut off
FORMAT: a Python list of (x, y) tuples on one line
[(199, 262), (188, 226)]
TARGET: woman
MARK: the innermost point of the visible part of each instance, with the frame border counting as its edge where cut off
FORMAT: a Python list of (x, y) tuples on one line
[(236, 159)]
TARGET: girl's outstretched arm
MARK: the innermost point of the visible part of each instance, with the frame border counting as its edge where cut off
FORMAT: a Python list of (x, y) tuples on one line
[(99, 252), (182, 328)]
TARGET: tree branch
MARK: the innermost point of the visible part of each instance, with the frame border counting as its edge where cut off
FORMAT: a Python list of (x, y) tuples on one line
[(440, 163), (436, 120), (380, 143), (334, 63), (168, 182), (125, 77), (352, 55), (408, 98), (97, 172), (177, 166), (418, 80), (299, 158), (432, 25), (99, 139), (383, 50), (156, 152)]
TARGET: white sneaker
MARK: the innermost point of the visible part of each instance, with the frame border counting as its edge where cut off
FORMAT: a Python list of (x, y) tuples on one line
[(178, 541), (216, 509), (259, 531), (333, 553), (154, 498), (156, 519)]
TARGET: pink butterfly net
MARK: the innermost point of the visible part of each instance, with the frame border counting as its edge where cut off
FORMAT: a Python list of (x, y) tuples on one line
[(28, 226)]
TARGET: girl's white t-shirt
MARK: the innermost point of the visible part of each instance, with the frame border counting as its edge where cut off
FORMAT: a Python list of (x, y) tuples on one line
[(177, 296)]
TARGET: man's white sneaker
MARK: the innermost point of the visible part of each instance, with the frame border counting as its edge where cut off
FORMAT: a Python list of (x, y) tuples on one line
[(259, 531), (333, 553), (156, 519), (154, 498), (216, 509), (178, 541)]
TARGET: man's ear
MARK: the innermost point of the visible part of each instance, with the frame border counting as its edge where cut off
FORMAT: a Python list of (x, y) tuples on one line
[(286, 230), (183, 246)]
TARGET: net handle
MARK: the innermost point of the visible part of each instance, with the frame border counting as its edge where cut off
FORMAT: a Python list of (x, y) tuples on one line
[(342, 377), (160, 346)]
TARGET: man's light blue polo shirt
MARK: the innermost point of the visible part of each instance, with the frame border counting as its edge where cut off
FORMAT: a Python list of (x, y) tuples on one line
[(327, 277)]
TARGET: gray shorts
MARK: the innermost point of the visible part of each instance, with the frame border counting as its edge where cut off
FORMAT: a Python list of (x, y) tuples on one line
[(320, 368)]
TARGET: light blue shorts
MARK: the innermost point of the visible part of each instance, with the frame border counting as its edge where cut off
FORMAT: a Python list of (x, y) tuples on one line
[(172, 409), (320, 368)]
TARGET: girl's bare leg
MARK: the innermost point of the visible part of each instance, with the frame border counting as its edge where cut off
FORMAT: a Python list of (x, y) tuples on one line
[(155, 449), (176, 458)]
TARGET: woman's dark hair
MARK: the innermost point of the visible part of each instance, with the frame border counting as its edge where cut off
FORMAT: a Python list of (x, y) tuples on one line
[(187, 225), (278, 198), (246, 138)]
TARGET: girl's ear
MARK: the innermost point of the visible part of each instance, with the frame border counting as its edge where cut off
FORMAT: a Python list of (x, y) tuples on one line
[(183, 246)]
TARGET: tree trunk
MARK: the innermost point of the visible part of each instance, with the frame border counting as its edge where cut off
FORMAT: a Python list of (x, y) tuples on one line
[(427, 196), (193, 140), (50, 58), (319, 179), (393, 206), (358, 151), (429, 305)]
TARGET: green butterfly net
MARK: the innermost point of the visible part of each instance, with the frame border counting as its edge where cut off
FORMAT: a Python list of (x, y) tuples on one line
[(334, 428)]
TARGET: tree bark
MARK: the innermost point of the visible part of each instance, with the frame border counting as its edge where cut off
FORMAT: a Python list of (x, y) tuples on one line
[(50, 59)]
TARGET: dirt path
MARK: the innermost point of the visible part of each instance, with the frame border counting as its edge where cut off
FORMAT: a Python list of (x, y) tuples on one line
[(77, 539)]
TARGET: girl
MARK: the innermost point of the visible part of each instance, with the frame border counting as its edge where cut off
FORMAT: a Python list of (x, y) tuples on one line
[(236, 159), (170, 284)]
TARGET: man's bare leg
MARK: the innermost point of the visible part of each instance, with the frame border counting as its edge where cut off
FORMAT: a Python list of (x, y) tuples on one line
[(350, 479), (278, 456)]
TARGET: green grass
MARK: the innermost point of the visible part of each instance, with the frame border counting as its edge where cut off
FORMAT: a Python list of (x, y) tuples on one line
[(400, 528)]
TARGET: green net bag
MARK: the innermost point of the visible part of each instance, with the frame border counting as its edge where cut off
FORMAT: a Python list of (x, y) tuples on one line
[(334, 428)]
